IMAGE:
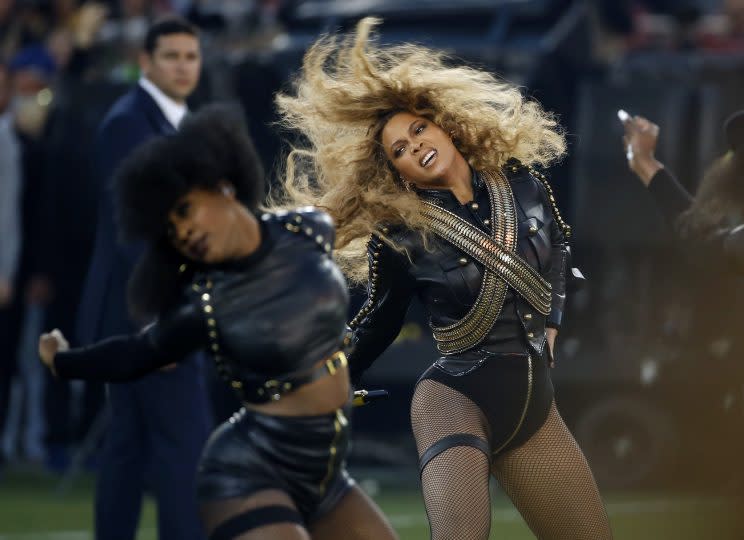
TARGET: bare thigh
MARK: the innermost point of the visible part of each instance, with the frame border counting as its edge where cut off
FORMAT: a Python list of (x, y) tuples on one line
[(355, 517), (218, 512)]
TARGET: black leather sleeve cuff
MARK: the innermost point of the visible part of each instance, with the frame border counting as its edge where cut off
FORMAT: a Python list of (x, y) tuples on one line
[(555, 318)]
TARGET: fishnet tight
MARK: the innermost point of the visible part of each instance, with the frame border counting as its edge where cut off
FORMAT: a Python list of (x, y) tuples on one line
[(455, 483), (550, 483), (547, 478)]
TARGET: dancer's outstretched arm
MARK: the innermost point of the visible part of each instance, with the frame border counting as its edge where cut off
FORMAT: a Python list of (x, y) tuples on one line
[(124, 358)]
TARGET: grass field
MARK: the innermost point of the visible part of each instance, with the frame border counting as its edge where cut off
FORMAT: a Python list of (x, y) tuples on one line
[(31, 509)]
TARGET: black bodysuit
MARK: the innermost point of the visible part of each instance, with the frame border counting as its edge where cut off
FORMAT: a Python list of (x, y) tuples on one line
[(505, 374), (264, 318)]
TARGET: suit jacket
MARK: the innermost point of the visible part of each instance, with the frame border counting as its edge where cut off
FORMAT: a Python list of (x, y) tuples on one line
[(132, 120)]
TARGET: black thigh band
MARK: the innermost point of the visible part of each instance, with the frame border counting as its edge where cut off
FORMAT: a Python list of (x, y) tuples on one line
[(451, 441), (264, 515)]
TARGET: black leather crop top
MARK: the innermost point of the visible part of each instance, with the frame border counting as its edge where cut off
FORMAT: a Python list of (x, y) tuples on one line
[(278, 311)]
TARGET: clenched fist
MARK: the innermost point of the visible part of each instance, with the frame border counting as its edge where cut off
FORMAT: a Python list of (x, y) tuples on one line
[(49, 345)]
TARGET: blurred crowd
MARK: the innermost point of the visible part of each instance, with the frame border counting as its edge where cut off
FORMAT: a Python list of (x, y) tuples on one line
[(705, 25), (51, 49)]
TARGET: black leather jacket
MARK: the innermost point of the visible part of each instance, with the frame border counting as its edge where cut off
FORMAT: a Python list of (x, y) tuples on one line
[(447, 281), (278, 311)]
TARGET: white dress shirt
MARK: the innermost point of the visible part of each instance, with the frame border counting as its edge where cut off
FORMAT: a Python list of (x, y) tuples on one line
[(173, 111)]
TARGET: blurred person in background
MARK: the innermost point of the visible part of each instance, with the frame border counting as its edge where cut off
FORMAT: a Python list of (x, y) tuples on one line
[(73, 38), (711, 218), (431, 167), (681, 25), (32, 72), (10, 228), (22, 23), (710, 227), (8, 29), (70, 195), (218, 275), (723, 30), (123, 32), (158, 424)]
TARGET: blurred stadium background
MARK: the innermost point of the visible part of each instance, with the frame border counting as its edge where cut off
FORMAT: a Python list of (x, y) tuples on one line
[(650, 375)]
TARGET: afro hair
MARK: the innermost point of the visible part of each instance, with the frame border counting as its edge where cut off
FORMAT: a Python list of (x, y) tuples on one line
[(210, 146)]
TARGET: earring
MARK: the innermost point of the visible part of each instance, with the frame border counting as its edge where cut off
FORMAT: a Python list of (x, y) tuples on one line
[(408, 185)]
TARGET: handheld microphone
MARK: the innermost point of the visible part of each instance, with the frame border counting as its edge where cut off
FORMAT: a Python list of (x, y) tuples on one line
[(363, 397)]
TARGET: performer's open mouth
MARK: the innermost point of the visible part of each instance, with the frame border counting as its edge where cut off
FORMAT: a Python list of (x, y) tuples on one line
[(428, 158)]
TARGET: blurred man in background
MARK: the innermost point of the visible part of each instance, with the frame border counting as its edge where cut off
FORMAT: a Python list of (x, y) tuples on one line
[(158, 423)]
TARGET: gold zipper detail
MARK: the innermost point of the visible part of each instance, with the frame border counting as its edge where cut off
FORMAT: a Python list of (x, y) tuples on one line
[(339, 423)]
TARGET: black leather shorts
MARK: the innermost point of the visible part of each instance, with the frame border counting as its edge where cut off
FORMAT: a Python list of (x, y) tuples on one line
[(304, 456), (513, 390)]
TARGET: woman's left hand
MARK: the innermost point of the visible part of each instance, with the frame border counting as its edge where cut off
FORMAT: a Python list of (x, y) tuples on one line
[(551, 334), (49, 345)]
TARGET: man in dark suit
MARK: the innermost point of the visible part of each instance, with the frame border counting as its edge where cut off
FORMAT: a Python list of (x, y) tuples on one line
[(159, 423)]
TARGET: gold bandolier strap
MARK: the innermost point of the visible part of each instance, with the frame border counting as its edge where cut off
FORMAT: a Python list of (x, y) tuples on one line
[(502, 266), (478, 321)]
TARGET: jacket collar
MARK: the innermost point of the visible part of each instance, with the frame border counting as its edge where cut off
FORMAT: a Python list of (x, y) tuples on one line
[(445, 195), (171, 109), (158, 120)]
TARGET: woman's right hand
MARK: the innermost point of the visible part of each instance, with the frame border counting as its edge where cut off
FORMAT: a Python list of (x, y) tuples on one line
[(49, 345), (640, 139)]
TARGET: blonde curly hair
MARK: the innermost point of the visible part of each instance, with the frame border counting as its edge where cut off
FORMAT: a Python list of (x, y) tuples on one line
[(346, 91)]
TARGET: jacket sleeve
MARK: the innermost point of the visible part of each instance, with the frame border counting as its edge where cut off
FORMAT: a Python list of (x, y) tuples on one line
[(389, 292), (559, 254), (670, 196), (125, 358)]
